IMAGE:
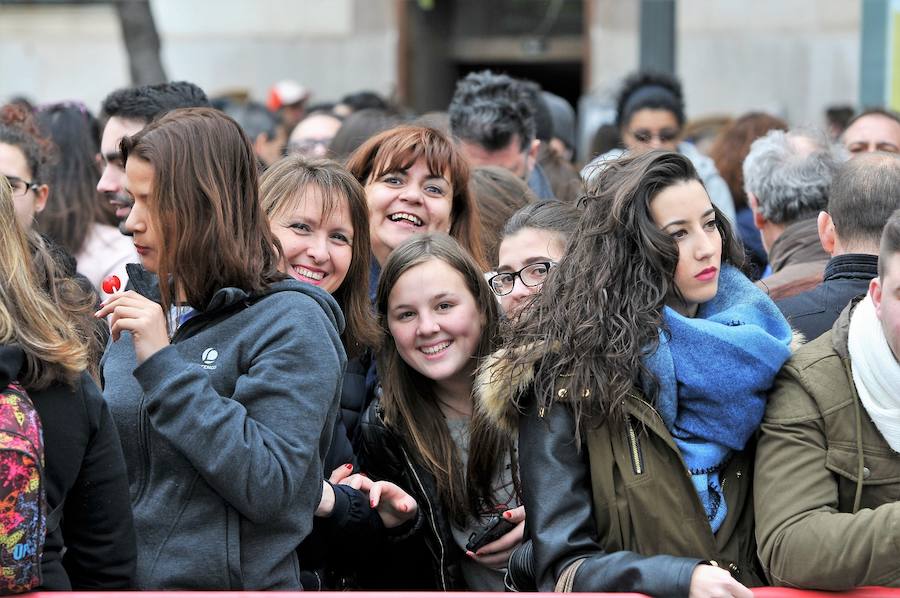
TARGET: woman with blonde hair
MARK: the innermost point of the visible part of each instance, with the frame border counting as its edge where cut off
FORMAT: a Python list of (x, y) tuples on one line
[(93, 547)]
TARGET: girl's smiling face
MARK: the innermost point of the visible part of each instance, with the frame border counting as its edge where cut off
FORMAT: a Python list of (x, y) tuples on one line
[(435, 321)]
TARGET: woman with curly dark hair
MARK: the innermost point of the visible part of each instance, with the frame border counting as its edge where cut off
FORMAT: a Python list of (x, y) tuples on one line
[(636, 379)]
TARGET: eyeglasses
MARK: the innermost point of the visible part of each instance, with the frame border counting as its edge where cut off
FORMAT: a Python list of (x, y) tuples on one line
[(664, 135), (531, 275), (20, 187), (304, 146)]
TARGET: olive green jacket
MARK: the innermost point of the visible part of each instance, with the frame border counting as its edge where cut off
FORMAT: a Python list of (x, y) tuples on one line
[(817, 450), (644, 499)]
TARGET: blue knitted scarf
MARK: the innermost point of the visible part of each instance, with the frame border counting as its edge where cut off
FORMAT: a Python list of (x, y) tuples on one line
[(713, 372)]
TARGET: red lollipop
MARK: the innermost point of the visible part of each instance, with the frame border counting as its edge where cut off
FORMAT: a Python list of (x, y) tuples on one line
[(111, 284)]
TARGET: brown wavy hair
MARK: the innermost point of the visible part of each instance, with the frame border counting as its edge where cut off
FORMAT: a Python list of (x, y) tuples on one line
[(732, 146), (600, 310), (399, 148), (499, 193), (410, 406), (205, 199), (54, 350), (287, 184)]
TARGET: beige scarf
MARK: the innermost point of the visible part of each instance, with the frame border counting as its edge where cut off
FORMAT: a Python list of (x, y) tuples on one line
[(876, 373)]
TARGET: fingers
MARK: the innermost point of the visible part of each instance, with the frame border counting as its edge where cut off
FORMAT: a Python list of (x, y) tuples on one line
[(708, 581), (516, 515), (497, 560), (739, 591), (504, 543), (357, 481), (407, 505), (125, 318), (126, 298), (375, 493), (341, 473)]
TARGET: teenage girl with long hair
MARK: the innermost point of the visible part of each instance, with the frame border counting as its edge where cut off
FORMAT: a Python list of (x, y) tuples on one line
[(426, 432), (90, 541), (224, 373), (637, 379)]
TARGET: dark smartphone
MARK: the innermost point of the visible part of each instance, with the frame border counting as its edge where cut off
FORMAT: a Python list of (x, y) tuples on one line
[(495, 527)]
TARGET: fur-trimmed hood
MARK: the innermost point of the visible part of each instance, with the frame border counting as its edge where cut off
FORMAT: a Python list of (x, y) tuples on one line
[(499, 385)]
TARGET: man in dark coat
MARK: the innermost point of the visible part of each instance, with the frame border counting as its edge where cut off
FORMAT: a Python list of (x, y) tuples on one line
[(864, 193)]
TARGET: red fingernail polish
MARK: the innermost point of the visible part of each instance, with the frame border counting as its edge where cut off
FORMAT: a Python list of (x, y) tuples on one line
[(372, 503), (348, 465)]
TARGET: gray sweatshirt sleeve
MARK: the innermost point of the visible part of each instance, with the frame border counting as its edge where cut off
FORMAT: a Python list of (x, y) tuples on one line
[(256, 446)]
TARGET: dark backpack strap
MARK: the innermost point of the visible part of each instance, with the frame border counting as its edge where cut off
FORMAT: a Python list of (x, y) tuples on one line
[(54, 517)]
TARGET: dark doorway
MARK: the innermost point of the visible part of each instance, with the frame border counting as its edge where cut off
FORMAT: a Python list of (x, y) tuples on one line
[(539, 40)]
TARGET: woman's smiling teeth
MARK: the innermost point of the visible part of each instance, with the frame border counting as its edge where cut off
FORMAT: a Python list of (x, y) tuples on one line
[(435, 349), (309, 273), (412, 218)]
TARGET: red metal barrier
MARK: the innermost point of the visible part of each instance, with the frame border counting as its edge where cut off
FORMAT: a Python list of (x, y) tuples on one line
[(757, 592)]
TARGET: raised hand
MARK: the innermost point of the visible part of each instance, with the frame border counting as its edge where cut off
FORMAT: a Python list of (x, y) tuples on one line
[(140, 316)]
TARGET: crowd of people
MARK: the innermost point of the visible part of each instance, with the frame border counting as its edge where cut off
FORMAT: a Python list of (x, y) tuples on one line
[(344, 346)]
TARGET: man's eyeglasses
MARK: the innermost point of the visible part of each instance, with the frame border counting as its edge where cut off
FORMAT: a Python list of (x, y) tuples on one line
[(19, 186), (664, 136), (305, 146), (531, 275)]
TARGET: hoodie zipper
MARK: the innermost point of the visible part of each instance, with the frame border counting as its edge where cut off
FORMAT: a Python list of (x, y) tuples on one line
[(637, 464), (430, 516), (144, 446)]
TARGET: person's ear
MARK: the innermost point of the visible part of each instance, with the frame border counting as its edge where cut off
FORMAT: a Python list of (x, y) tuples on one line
[(40, 198), (875, 293), (825, 225), (759, 221), (533, 150)]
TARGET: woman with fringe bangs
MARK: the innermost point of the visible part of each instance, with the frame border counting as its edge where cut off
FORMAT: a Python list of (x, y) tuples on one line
[(636, 381), (427, 434)]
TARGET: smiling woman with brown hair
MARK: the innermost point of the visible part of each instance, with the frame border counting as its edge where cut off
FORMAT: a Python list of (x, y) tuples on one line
[(416, 181)]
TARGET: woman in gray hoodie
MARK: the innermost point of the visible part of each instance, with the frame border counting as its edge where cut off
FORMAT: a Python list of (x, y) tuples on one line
[(223, 375)]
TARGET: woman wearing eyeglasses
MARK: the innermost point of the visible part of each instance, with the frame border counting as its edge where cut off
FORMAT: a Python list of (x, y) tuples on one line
[(533, 241), (650, 115), (24, 158)]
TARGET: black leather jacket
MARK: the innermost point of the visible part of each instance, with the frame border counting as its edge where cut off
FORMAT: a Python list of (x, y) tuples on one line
[(558, 499), (428, 558)]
